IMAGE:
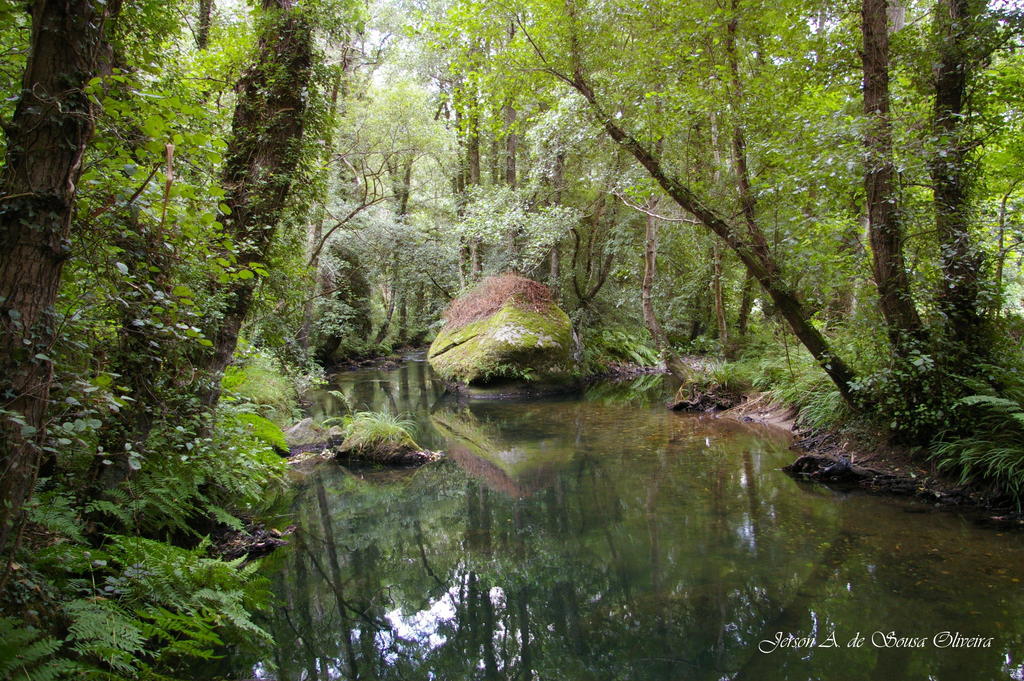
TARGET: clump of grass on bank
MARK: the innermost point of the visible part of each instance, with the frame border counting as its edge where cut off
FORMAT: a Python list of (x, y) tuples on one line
[(988, 445), (800, 383), (379, 432), (795, 381)]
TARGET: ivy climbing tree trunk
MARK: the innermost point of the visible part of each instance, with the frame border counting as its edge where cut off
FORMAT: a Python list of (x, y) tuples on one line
[(205, 18), (263, 155), (960, 259), (46, 138), (886, 232)]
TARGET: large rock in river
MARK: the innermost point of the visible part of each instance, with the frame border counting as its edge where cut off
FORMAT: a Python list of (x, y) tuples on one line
[(506, 336)]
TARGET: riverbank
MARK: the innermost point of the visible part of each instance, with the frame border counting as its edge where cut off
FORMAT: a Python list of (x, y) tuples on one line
[(856, 458)]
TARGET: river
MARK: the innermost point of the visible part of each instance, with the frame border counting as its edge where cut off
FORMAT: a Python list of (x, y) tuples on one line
[(601, 536)]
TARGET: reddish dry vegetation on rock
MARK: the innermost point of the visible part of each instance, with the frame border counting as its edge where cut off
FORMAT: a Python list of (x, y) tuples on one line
[(491, 294)]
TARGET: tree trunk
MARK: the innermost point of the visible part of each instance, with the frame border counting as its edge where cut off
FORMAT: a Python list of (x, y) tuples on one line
[(672, 362), (884, 228), (961, 261), (473, 145), (46, 138), (205, 17), (555, 271), (511, 144), (263, 156), (746, 303), (719, 296), (392, 291)]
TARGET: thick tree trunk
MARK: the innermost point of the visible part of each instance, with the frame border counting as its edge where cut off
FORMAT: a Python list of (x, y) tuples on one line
[(961, 260), (886, 232), (46, 138), (263, 155), (754, 254)]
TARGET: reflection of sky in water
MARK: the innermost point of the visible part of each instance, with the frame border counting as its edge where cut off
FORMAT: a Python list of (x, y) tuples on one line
[(422, 627)]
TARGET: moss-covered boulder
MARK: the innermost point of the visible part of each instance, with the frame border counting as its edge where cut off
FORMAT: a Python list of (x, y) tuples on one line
[(505, 335)]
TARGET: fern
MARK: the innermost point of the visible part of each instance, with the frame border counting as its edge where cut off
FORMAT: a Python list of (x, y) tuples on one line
[(184, 635), (264, 430), (340, 396), (52, 510), (26, 654), (187, 582), (999, 403), (993, 447), (102, 630)]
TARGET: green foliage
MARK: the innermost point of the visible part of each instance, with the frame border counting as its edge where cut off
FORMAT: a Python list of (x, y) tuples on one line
[(265, 430), (608, 345), (985, 439), (519, 232), (256, 379), (369, 430), (26, 654)]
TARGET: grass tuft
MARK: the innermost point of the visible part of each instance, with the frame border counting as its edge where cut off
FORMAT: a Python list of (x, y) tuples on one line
[(366, 430), (992, 450)]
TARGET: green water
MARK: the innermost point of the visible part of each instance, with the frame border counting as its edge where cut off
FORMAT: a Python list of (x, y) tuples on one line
[(604, 537)]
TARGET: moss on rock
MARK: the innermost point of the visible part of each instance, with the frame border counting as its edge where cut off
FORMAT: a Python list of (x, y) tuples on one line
[(514, 344)]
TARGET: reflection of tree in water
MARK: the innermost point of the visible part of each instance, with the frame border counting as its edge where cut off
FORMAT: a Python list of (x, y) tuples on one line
[(658, 559)]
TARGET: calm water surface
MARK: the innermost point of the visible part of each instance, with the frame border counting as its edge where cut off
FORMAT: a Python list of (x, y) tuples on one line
[(604, 537)]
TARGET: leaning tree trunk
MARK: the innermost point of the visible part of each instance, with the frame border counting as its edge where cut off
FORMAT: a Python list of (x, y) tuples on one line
[(263, 157), (886, 232), (753, 253), (46, 138)]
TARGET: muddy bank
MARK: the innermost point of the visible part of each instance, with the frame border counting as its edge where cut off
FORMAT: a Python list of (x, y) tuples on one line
[(856, 459)]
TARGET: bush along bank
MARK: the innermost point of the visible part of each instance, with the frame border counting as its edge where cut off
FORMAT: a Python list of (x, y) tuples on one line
[(153, 576)]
